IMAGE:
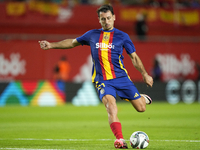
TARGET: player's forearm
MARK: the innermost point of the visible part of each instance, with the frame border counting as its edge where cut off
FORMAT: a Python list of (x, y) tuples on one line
[(140, 67), (138, 64), (65, 44)]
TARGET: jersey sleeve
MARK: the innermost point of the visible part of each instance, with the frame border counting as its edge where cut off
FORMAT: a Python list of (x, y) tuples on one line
[(128, 44), (85, 38)]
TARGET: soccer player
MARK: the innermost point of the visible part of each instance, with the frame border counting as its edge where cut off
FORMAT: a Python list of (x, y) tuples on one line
[(109, 73)]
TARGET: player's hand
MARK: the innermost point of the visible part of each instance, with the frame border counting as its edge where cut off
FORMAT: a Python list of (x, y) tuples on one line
[(45, 45), (148, 80)]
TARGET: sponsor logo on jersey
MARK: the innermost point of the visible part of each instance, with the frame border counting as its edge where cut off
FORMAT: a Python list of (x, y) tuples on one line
[(104, 46)]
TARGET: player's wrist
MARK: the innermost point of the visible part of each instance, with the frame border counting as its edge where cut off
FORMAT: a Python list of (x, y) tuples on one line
[(52, 46), (144, 74)]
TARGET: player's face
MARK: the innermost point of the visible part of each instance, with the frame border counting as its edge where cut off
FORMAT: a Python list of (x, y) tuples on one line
[(106, 19)]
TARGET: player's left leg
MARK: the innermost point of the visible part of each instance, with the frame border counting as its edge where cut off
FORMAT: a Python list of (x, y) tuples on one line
[(140, 103), (148, 99)]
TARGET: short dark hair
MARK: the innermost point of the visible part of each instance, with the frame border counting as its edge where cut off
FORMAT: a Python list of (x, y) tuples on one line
[(105, 8)]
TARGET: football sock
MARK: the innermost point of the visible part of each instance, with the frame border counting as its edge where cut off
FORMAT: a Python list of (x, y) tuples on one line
[(117, 130)]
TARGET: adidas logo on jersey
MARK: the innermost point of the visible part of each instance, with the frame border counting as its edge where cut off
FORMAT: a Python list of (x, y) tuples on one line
[(136, 95), (104, 46)]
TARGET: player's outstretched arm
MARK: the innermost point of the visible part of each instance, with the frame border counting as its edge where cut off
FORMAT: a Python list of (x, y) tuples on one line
[(140, 67), (65, 44)]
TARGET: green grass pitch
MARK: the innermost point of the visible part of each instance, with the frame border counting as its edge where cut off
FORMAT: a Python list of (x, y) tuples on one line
[(169, 127)]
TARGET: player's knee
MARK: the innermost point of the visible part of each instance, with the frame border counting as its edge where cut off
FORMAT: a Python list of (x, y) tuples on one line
[(141, 109)]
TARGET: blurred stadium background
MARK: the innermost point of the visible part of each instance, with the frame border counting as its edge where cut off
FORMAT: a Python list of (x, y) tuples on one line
[(166, 34)]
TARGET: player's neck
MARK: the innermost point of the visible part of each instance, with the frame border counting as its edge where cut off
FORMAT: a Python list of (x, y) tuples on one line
[(110, 30)]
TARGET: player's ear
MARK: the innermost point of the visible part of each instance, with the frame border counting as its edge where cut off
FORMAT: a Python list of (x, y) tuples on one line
[(114, 17)]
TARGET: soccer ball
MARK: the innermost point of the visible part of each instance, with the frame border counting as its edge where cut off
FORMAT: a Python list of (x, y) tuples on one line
[(139, 140)]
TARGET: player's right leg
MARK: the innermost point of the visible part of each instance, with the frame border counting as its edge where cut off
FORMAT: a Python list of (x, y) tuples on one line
[(107, 94), (120, 143), (110, 103)]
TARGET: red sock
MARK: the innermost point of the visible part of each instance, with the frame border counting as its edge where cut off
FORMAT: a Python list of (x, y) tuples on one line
[(117, 130)]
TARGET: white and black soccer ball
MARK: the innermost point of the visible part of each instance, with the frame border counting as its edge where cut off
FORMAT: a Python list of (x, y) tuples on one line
[(139, 140)]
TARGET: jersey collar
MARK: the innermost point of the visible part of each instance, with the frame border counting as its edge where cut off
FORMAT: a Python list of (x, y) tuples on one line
[(108, 30)]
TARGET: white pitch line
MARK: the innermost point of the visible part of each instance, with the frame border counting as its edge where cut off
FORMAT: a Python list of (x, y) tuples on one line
[(190, 141), (32, 139), (32, 149)]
